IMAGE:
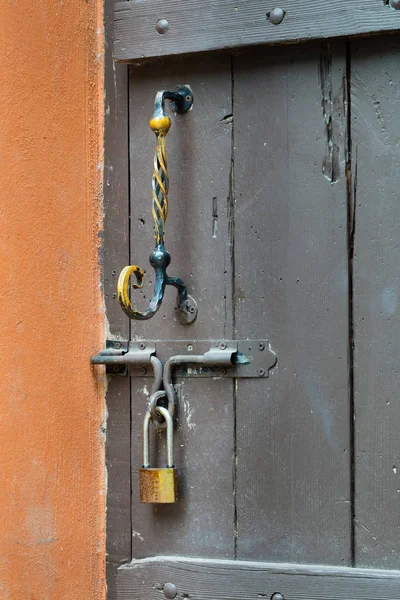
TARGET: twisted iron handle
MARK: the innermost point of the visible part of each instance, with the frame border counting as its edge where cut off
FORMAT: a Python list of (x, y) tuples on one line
[(181, 101)]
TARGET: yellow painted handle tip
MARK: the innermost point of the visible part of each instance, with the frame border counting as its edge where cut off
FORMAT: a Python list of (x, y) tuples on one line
[(123, 283)]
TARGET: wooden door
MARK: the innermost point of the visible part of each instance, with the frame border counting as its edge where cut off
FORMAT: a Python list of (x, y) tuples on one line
[(285, 224)]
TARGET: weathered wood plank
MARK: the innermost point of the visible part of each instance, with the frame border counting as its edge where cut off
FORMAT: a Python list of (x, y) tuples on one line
[(199, 161), (118, 530), (115, 255), (201, 522), (200, 25), (237, 580), (116, 182), (293, 429), (375, 140)]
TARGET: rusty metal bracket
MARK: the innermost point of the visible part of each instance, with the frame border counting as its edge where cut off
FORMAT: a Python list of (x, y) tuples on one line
[(217, 358)]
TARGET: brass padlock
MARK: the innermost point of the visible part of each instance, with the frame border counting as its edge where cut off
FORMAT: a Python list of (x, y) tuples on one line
[(158, 486)]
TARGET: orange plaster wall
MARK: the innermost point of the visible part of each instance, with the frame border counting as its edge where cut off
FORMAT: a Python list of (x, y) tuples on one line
[(51, 314)]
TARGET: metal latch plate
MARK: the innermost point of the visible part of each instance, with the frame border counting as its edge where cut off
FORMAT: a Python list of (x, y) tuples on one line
[(251, 358)]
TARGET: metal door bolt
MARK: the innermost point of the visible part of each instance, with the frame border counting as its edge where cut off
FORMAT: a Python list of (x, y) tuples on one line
[(277, 596), (238, 357), (276, 15)]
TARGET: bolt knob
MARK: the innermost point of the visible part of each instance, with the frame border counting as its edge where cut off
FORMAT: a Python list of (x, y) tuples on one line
[(162, 26), (276, 16), (170, 591)]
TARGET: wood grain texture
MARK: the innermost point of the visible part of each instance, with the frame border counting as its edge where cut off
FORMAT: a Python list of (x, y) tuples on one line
[(115, 256), (199, 162), (293, 430), (376, 134), (202, 25), (116, 181), (118, 542), (237, 580)]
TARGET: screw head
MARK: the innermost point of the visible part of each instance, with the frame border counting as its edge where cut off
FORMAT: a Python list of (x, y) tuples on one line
[(223, 372), (261, 346), (142, 371), (276, 16), (261, 373), (117, 345), (187, 312), (162, 26), (222, 345), (142, 346), (170, 590)]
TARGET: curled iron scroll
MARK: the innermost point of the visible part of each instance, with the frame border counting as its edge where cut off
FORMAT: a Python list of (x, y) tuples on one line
[(181, 101)]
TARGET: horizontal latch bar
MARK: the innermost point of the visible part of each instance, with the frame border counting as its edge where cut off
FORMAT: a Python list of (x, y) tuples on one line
[(219, 358)]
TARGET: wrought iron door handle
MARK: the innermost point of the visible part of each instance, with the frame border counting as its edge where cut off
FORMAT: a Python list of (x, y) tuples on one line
[(181, 101)]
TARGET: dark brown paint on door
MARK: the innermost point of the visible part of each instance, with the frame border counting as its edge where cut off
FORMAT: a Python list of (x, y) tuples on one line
[(283, 223)]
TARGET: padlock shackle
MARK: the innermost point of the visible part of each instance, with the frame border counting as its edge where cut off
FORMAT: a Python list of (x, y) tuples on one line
[(170, 437), (146, 454)]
